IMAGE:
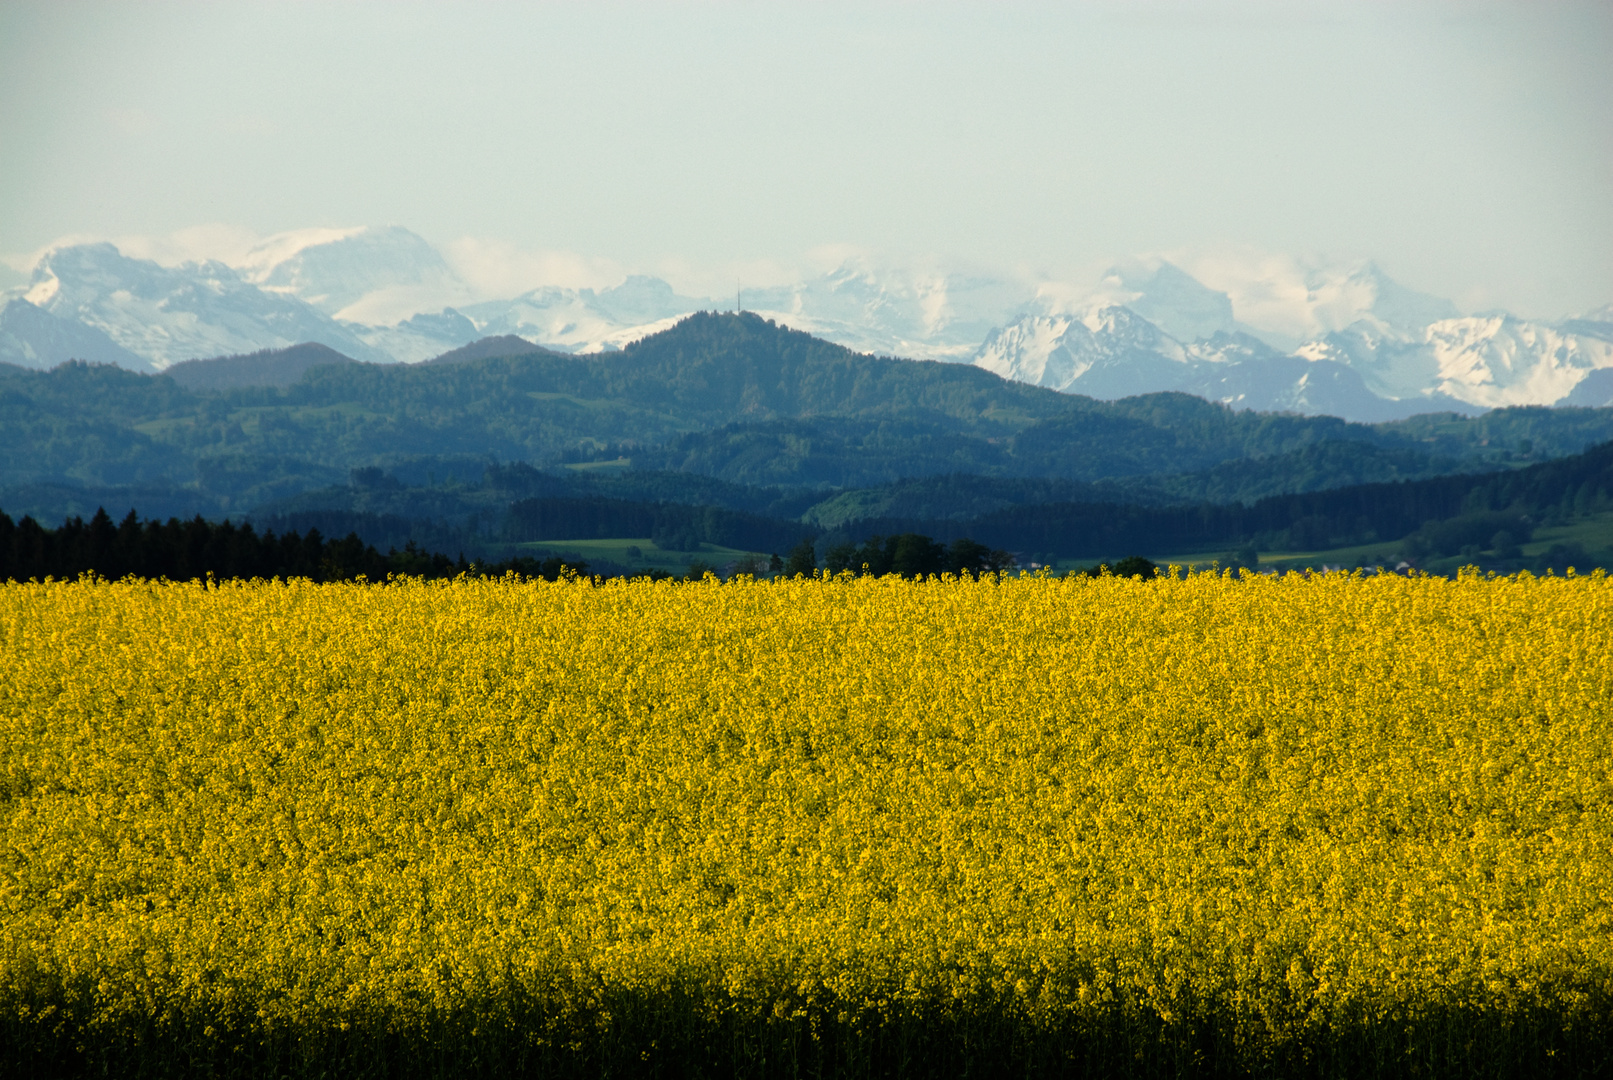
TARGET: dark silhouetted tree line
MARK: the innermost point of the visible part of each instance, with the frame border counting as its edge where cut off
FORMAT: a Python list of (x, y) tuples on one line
[(186, 550), (910, 555), (1443, 516)]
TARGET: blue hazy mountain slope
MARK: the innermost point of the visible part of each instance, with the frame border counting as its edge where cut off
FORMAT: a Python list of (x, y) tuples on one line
[(731, 398), (270, 367), (32, 337)]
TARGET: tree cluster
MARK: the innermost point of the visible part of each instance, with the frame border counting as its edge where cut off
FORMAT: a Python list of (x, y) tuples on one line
[(910, 555), (1130, 566)]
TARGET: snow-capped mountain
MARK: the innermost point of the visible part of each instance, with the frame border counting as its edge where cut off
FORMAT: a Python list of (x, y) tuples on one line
[(1376, 350), (1486, 361), (1169, 297), (1110, 351), (163, 315), (583, 320), (1595, 389), (1268, 381), (32, 337), (1271, 333), (397, 293), (420, 337), (388, 286), (1288, 301), (367, 276), (922, 315), (1501, 360)]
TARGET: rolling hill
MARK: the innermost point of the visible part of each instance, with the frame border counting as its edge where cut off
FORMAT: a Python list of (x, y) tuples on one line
[(720, 410)]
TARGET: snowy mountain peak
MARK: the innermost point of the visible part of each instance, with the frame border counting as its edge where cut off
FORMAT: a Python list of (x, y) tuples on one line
[(84, 265), (894, 311), (1230, 347), (1108, 351), (1387, 301), (163, 315), (1122, 327), (1502, 360), (262, 258), (362, 275), (1033, 350), (1288, 300), (1170, 298), (645, 299)]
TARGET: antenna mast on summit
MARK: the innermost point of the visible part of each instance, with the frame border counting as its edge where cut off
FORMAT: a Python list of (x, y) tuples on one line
[(739, 298)]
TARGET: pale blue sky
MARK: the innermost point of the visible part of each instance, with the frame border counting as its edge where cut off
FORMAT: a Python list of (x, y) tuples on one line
[(1469, 148)]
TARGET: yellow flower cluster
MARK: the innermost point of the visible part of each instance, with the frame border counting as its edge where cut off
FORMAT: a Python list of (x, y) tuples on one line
[(1288, 804)]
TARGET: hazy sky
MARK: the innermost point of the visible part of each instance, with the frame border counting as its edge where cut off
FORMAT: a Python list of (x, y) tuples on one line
[(1468, 148)]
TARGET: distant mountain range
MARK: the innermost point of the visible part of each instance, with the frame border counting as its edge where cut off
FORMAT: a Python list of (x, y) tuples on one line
[(734, 431), (1313, 339)]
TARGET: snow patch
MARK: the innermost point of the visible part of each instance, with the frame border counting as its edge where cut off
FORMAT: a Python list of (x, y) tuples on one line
[(260, 261)]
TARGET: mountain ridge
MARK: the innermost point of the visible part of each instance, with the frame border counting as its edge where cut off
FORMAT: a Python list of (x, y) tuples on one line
[(1342, 338)]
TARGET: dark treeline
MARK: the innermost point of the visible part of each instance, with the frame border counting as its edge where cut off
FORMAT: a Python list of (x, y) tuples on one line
[(906, 554), (187, 550), (672, 526), (384, 531), (1441, 516)]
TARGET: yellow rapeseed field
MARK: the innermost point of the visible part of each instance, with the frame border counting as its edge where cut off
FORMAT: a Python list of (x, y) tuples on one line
[(1203, 823)]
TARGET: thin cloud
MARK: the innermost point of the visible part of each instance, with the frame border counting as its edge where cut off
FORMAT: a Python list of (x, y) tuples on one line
[(500, 269)]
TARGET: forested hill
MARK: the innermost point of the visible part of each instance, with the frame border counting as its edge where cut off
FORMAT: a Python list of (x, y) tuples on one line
[(715, 369), (730, 397), (709, 370), (1440, 523), (1438, 517)]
